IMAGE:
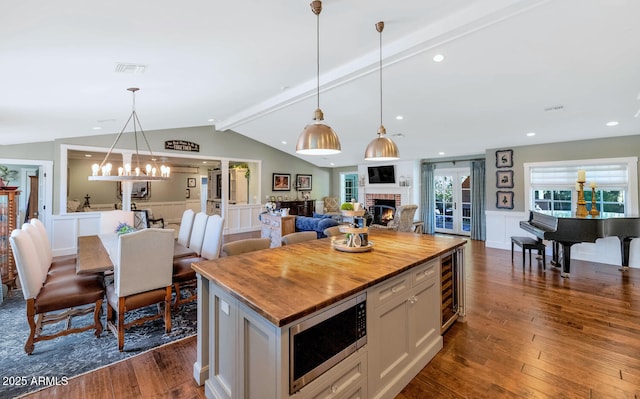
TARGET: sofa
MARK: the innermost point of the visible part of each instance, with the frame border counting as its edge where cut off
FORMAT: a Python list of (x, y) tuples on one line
[(317, 223)]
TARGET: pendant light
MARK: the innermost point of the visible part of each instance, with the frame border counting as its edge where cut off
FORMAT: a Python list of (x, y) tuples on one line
[(381, 148), (318, 138), (102, 172)]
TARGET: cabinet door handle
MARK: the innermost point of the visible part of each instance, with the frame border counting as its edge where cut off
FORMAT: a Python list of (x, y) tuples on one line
[(334, 388), (413, 299)]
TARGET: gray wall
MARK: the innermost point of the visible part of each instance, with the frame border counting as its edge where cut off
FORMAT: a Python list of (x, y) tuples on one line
[(213, 143), (616, 147)]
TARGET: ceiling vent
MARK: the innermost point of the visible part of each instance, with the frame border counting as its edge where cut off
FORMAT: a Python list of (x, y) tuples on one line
[(554, 108), (134, 69)]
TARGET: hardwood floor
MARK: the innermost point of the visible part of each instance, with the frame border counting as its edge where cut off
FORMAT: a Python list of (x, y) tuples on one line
[(527, 334)]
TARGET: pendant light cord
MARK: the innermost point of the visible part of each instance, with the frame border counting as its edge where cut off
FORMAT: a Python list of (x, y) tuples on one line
[(380, 30), (318, 60)]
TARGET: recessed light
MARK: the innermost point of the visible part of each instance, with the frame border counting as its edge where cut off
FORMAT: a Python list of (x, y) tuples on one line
[(612, 123), (531, 134), (331, 163), (441, 153), (96, 128), (283, 142), (87, 155), (399, 117), (438, 58)]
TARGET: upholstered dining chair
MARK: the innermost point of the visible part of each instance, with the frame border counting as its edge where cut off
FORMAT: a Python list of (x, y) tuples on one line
[(50, 268), (183, 275), (332, 231), (196, 237), (184, 233), (243, 246), (402, 219), (299, 236), (50, 301), (142, 276), (109, 220)]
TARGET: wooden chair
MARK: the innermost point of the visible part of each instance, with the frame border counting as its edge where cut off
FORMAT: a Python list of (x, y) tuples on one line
[(183, 275), (142, 276), (402, 219), (299, 236), (244, 246), (50, 301)]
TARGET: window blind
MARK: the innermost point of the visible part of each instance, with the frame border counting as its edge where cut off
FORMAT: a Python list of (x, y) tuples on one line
[(610, 175)]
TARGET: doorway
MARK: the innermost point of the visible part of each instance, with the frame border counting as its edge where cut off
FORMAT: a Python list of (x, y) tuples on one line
[(453, 201)]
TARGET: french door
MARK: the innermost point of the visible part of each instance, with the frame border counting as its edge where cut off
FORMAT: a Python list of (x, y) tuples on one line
[(453, 201)]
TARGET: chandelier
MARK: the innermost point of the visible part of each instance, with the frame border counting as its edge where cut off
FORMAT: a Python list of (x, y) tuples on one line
[(151, 172), (381, 148), (318, 138)]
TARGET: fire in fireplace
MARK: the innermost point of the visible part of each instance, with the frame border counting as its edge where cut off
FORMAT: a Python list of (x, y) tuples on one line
[(383, 211)]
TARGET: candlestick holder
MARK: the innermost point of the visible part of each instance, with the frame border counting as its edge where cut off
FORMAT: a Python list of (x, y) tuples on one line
[(581, 210), (594, 210)]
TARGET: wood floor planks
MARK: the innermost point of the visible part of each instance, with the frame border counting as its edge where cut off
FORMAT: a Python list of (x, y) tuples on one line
[(527, 334)]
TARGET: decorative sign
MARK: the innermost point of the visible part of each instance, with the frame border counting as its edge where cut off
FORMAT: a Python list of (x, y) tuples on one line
[(181, 145)]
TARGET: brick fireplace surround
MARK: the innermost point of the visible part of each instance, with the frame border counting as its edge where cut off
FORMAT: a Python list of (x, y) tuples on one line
[(369, 199)]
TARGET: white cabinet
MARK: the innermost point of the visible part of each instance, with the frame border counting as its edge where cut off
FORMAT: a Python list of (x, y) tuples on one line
[(240, 341), (403, 329), (347, 380)]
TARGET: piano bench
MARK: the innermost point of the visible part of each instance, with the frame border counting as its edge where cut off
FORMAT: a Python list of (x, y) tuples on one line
[(527, 244)]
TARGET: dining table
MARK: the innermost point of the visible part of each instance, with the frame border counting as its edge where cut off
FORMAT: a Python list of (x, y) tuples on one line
[(93, 256)]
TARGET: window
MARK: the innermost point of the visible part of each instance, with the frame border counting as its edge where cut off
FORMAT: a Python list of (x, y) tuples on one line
[(552, 186)]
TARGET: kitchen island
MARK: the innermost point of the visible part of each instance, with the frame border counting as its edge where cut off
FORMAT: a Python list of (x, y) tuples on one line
[(248, 303)]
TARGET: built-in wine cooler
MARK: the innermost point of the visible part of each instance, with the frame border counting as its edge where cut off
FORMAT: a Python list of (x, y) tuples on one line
[(452, 291)]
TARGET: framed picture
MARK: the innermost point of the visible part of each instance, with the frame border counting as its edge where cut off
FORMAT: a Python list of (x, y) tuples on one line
[(191, 181), (504, 159), (139, 190), (281, 182), (504, 179), (303, 182), (504, 199)]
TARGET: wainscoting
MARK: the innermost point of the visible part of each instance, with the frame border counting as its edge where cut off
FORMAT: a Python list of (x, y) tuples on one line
[(502, 225), (65, 229)]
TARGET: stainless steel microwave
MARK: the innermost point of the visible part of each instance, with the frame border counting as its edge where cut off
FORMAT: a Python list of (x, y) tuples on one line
[(322, 341)]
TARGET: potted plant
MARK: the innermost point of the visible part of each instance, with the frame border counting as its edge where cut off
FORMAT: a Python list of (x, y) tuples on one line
[(7, 175)]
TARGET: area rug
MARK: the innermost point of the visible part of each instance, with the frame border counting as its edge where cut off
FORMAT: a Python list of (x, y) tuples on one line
[(62, 358)]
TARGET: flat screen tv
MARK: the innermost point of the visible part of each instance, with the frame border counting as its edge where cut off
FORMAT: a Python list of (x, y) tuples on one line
[(382, 174)]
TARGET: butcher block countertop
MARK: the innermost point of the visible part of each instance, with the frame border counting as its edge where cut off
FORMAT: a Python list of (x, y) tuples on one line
[(286, 283)]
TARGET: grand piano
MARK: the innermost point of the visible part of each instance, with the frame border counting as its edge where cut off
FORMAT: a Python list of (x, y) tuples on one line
[(567, 231)]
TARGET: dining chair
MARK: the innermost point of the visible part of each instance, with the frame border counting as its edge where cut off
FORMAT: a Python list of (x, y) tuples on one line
[(332, 231), (142, 276), (299, 236), (243, 246), (183, 275), (184, 233), (50, 269), (109, 220), (50, 301), (196, 238)]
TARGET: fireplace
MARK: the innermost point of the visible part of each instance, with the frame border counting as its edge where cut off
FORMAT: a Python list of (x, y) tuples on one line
[(382, 210)]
